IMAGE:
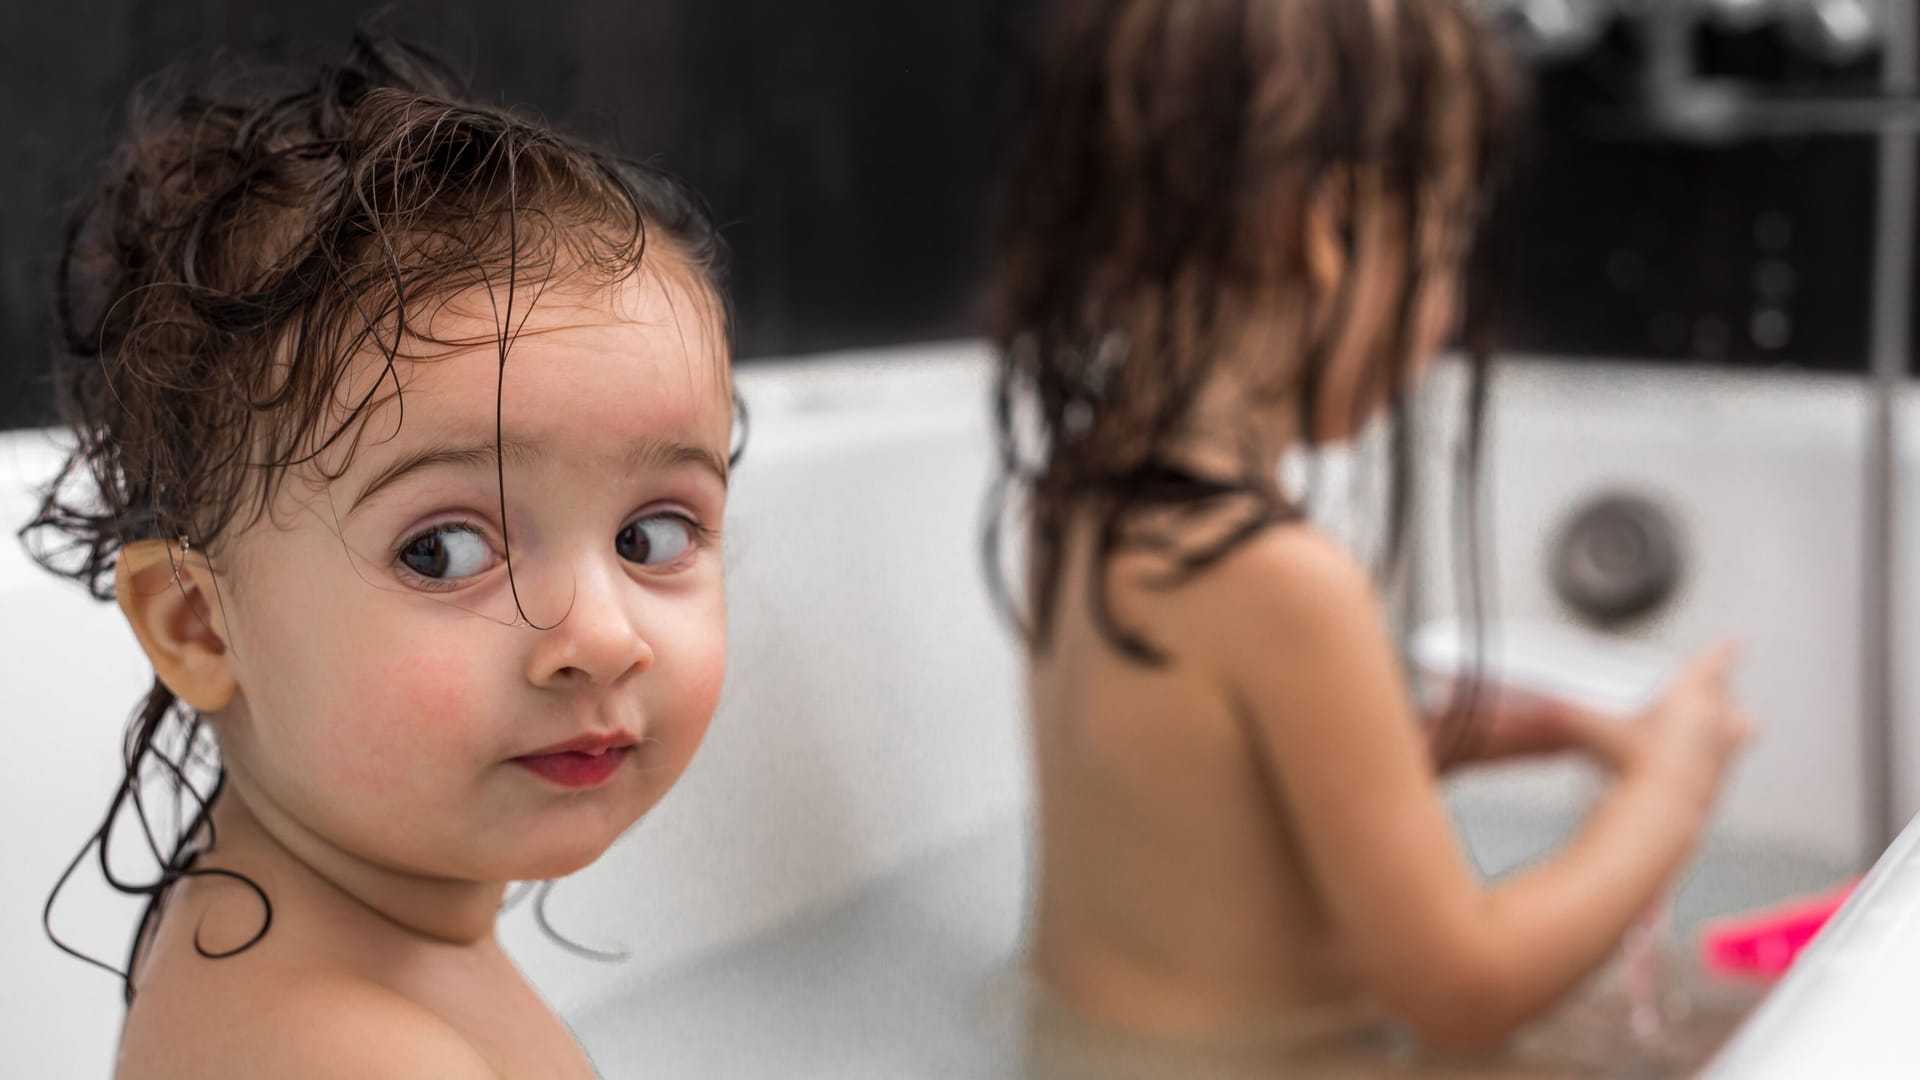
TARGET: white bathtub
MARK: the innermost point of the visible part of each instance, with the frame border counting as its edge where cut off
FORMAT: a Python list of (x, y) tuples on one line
[(836, 884), (1846, 1008)]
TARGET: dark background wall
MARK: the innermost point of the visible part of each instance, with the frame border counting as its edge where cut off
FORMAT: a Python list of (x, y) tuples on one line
[(845, 144), (1753, 253), (847, 148)]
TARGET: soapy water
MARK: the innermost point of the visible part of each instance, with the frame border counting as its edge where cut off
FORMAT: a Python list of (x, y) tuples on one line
[(1588, 1037), (918, 975)]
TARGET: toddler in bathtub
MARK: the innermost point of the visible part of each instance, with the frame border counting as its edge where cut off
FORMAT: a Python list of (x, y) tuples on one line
[(1235, 228), (403, 432)]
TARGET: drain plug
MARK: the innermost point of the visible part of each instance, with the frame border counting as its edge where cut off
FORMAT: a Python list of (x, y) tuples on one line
[(1617, 559)]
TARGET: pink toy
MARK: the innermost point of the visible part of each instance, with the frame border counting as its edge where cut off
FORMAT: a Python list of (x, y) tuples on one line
[(1763, 944)]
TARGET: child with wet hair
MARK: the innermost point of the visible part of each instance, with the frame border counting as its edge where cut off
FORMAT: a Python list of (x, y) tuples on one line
[(1234, 230), (402, 433)]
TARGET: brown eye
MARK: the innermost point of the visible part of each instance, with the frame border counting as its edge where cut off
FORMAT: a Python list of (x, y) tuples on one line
[(447, 553), (651, 541)]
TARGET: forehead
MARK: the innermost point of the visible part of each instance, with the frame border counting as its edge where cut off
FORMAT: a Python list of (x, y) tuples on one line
[(644, 354)]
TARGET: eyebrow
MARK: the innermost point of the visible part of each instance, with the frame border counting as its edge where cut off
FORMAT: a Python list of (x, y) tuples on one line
[(653, 453)]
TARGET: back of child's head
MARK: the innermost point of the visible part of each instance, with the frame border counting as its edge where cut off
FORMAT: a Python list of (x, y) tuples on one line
[(1193, 190), (265, 248)]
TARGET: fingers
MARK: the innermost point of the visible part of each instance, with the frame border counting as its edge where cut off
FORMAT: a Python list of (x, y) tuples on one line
[(1718, 661), (1744, 727)]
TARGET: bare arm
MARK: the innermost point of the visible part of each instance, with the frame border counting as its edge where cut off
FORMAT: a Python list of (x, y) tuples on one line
[(1463, 962), (1511, 727)]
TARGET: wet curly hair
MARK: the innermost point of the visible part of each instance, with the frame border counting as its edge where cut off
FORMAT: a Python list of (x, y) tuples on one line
[(257, 235), (1161, 165)]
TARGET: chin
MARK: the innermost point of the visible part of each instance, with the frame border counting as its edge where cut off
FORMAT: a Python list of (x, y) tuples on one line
[(558, 848), (555, 861)]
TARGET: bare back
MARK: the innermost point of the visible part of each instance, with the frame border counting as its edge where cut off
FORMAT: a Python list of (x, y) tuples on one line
[(1174, 895)]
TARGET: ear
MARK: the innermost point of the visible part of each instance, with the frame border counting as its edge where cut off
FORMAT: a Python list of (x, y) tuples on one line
[(164, 590), (1328, 225)]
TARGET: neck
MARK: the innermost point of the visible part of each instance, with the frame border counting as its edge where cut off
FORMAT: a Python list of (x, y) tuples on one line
[(256, 837), (1231, 430)]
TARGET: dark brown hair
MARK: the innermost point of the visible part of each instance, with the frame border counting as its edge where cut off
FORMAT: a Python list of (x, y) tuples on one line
[(256, 236), (1166, 155)]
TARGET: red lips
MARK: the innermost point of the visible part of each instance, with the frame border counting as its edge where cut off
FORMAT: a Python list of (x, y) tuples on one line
[(588, 761)]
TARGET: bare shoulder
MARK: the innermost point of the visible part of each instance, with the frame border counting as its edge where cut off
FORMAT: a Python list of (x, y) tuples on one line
[(1299, 638), (313, 1027), (1294, 585), (370, 1031)]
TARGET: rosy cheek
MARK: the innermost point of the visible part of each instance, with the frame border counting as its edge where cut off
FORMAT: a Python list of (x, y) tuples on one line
[(701, 696), (710, 689), (412, 714), (432, 690)]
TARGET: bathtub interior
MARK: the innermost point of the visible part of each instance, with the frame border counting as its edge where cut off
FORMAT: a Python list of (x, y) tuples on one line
[(1763, 473), (838, 885), (916, 974)]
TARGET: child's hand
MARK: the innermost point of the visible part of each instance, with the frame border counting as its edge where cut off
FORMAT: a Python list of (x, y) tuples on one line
[(1686, 740)]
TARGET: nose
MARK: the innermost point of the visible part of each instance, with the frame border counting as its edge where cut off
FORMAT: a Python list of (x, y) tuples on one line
[(596, 642)]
